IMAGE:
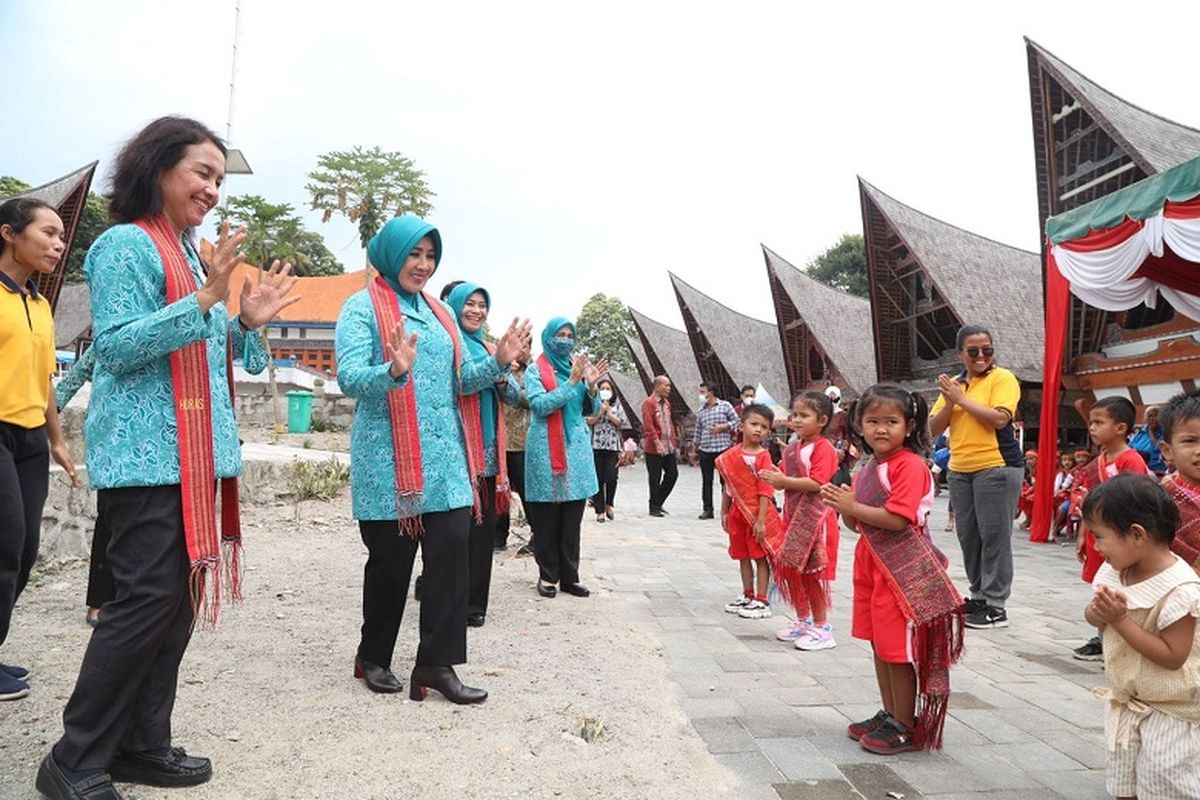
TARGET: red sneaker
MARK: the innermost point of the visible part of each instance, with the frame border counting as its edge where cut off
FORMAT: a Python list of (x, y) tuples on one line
[(890, 738), (857, 730)]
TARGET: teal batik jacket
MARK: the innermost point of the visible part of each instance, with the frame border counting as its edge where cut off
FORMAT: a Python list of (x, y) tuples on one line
[(364, 374), (581, 464), (130, 426)]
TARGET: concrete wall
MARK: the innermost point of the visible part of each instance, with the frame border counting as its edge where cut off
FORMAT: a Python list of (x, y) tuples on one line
[(256, 409)]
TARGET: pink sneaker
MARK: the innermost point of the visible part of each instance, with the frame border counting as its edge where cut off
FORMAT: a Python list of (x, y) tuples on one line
[(797, 630), (820, 637)]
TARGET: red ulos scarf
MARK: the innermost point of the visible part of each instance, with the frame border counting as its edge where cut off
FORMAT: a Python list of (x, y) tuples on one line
[(803, 552), (197, 471), (742, 483), (402, 410), (472, 409), (1186, 495), (916, 573), (555, 430)]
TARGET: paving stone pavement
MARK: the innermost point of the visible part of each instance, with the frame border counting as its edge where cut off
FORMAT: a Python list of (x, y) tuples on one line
[(1023, 720)]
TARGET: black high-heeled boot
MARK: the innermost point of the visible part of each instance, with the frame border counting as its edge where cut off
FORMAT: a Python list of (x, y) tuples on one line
[(444, 680), (378, 679)]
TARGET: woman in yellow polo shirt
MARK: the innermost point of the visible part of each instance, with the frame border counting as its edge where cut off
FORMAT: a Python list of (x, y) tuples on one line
[(31, 242), (979, 405)]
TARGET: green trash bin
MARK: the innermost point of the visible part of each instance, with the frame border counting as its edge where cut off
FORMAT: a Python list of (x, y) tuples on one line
[(299, 411)]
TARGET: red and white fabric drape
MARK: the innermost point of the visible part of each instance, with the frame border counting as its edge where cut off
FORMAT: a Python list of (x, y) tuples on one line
[(1105, 267)]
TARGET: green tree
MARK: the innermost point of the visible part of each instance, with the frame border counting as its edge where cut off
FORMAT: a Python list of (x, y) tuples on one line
[(603, 324), (92, 222), (369, 187), (273, 230), (843, 266)]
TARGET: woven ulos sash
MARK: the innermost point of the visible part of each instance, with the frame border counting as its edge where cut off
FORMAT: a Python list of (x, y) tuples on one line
[(1186, 495), (197, 471), (555, 432), (802, 555), (402, 414), (928, 600)]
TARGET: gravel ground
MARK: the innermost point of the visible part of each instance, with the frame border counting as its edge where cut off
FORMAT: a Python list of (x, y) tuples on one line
[(270, 698)]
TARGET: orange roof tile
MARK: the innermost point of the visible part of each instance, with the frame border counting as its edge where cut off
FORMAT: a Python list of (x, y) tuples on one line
[(321, 297)]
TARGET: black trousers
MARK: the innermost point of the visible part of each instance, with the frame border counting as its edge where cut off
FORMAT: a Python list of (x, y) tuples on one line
[(24, 483), (125, 693), (557, 545), (386, 577), (663, 472), (481, 547), (100, 587), (515, 461), (606, 477), (708, 465)]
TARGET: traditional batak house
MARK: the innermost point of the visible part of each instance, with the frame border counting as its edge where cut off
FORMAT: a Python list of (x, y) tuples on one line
[(823, 331), (67, 195), (669, 353), (303, 332), (1089, 143), (731, 349), (630, 393), (929, 278)]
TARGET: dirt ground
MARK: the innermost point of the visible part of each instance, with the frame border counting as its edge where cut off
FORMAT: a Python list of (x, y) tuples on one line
[(270, 697), (335, 440)]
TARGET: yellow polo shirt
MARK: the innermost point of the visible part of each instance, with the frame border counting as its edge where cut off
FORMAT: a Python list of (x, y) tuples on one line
[(26, 354), (975, 446)]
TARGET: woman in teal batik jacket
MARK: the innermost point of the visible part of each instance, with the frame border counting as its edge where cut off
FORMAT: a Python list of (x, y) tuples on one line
[(401, 356), (560, 470)]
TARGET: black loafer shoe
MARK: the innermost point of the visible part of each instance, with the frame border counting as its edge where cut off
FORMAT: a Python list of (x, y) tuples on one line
[(444, 680), (476, 620), (577, 589), (657, 512), (53, 784), (547, 589), (706, 515), (176, 768), (378, 679)]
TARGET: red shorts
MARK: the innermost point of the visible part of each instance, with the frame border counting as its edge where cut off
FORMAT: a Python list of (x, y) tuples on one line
[(876, 616), (1091, 558), (742, 544)]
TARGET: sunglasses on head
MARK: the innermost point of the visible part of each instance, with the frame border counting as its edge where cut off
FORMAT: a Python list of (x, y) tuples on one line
[(974, 352)]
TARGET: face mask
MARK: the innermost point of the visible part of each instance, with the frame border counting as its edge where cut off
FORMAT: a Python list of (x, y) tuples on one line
[(703, 399), (748, 400), (605, 395), (561, 345)]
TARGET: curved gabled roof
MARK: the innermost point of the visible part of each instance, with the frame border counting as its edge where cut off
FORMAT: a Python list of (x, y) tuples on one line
[(986, 283), (67, 195), (631, 394), (1159, 143), (645, 373), (748, 349), (669, 352), (839, 321)]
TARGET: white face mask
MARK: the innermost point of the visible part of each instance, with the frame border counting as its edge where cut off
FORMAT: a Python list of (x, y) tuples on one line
[(703, 399), (605, 395), (748, 400)]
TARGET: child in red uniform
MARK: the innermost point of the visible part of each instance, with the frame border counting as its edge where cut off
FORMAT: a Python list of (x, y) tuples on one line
[(1179, 422), (1063, 480), (747, 505), (810, 547), (1110, 422), (904, 602), (1025, 501)]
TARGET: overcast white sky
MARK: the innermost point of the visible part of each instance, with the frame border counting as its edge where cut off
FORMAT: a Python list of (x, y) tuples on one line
[(576, 151)]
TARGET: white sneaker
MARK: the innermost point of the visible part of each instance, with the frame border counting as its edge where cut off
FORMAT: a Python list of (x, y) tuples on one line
[(755, 609), (820, 637), (797, 630), (737, 604)]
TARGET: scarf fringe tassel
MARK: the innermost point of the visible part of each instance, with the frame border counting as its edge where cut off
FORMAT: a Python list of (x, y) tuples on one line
[(936, 645)]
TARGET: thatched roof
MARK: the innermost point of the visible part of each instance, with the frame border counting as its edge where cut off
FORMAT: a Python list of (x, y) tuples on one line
[(631, 395), (1155, 142), (838, 322), (645, 373), (668, 352), (731, 349), (73, 315), (985, 282), (67, 195)]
